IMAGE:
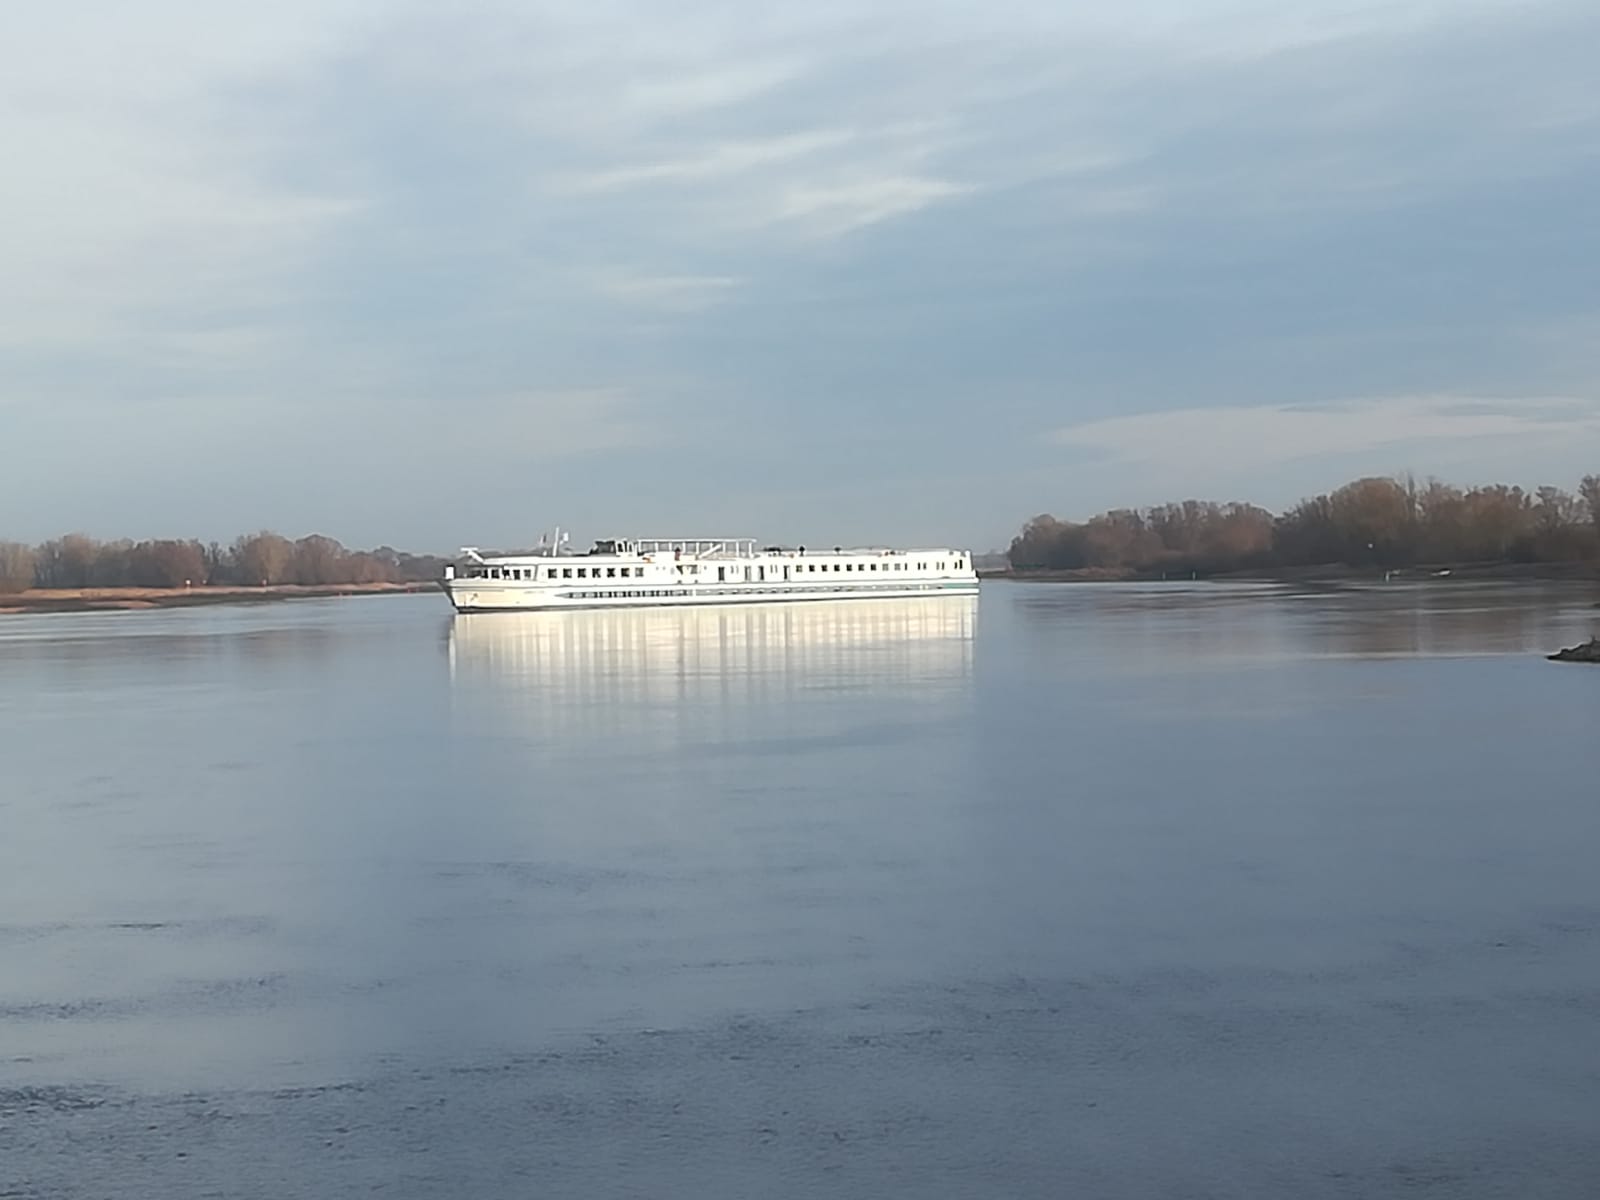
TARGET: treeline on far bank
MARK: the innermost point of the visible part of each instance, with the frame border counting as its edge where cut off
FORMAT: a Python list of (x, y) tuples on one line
[(254, 560), (1378, 522)]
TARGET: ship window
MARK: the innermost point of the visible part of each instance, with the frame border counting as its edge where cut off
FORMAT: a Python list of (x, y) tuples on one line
[(566, 572), (611, 572)]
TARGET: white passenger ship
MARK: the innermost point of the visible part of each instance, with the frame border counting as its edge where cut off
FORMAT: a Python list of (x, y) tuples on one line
[(627, 573)]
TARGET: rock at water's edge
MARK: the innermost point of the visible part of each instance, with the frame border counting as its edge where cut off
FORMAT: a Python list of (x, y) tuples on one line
[(1589, 652)]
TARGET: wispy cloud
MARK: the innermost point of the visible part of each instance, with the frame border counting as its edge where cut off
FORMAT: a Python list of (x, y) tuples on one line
[(1270, 434), (717, 161), (666, 293), (838, 208), (540, 426), (820, 183)]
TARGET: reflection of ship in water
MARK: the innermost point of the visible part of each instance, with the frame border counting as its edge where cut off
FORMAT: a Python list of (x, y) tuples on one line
[(598, 670)]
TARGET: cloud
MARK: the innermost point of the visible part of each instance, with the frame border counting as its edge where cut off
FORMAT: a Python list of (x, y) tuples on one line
[(872, 238), (539, 426), (665, 293), (819, 183), (124, 202), (713, 162), (1269, 434), (838, 208)]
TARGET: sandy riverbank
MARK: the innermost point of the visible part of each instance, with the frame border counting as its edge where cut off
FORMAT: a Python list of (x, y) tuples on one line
[(37, 600)]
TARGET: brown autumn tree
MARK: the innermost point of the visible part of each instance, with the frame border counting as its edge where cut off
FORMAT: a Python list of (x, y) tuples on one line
[(1205, 536), (1499, 519), (1589, 489), (317, 560), (1374, 521), (1370, 522), (1045, 544), (113, 564), (16, 567), (168, 564), (262, 559), (1561, 530), (68, 562), (1442, 530)]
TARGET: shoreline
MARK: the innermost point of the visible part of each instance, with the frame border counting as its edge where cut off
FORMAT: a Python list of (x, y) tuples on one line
[(1329, 575), (133, 599)]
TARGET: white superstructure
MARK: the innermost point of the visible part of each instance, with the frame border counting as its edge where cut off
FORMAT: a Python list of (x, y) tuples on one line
[(628, 572)]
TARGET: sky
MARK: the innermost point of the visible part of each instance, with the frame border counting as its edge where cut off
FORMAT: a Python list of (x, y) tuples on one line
[(872, 273)]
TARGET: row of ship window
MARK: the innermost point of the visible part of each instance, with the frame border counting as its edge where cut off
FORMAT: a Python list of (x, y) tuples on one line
[(767, 591), (532, 573)]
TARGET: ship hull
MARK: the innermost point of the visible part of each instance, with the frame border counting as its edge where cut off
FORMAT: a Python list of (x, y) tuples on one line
[(473, 596)]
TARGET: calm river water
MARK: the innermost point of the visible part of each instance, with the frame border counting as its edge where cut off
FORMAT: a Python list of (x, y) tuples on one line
[(1065, 891)]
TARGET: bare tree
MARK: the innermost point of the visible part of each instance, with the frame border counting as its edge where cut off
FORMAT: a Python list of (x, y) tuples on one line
[(168, 564), (68, 562), (318, 559), (16, 567), (261, 559), (1560, 527), (1373, 522), (1589, 489)]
